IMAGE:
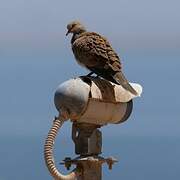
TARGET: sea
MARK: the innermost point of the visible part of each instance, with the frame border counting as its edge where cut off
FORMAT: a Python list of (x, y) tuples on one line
[(139, 158)]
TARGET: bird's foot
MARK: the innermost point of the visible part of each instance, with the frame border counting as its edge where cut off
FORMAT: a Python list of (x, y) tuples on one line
[(89, 75)]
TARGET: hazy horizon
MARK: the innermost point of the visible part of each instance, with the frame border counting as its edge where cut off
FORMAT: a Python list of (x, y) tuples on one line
[(137, 24)]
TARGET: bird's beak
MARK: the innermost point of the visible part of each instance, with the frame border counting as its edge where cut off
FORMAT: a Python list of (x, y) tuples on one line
[(68, 32)]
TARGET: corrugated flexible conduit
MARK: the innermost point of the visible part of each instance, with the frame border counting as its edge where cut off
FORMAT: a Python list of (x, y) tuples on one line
[(48, 152)]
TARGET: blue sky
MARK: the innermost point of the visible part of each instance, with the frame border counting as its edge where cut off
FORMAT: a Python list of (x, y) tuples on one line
[(137, 24)]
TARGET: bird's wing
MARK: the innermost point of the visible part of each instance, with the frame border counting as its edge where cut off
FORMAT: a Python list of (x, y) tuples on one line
[(97, 51), (113, 59)]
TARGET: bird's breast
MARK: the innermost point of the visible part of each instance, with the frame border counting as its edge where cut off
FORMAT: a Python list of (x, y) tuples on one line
[(84, 58)]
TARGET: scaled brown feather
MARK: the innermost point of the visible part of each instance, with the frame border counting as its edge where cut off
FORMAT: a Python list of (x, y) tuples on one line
[(95, 53)]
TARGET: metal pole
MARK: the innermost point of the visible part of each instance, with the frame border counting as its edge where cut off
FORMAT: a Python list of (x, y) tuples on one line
[(88, 145), (92, 170)]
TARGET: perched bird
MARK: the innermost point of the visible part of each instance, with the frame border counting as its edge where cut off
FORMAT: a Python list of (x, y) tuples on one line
[(94, 52)]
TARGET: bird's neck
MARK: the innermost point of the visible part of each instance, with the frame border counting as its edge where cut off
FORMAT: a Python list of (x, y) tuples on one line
[(76, 36)]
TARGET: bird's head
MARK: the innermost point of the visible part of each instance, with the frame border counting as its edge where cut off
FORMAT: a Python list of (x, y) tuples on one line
[(75, 27)]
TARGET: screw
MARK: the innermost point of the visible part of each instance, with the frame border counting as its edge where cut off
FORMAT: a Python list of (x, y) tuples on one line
[(110, 165), (67, 164), (110, 161)]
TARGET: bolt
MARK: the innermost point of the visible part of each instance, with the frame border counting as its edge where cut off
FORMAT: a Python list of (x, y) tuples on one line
[(110, 161), (67, 164), (110, 165)]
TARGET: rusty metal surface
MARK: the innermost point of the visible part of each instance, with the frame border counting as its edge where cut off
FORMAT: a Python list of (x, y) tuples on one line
[(94, 100), (102, 90), (109, 92), (89, 102), (91, 165), (87, 167), (68, 162), (104, 113), (87, 138)]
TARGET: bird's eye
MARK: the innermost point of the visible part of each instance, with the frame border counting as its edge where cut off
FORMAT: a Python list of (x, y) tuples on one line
[(73, 25)]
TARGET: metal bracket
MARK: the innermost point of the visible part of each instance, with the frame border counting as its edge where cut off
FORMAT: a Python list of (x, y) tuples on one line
[(68, 162), (88, 144)]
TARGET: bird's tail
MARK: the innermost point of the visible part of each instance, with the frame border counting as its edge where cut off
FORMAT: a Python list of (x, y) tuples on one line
[(120, 79)]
